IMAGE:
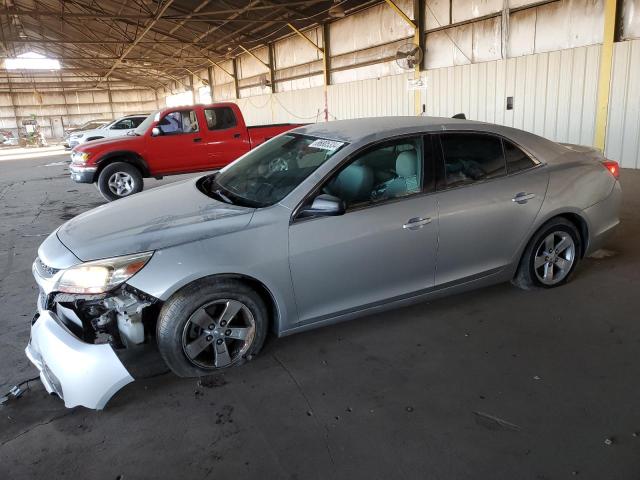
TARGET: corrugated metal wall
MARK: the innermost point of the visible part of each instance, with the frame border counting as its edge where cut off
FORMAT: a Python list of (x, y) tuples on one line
[(554, 93), (364, 98), (71, 108), (623, 132)]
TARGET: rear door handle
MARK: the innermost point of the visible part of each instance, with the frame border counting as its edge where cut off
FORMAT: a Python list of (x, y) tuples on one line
[(237, 135), (523, 197), (416, 223), (197, 139)]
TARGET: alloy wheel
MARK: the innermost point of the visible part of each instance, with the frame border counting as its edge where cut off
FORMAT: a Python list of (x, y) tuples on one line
[(120, 184), (554, 258), (218, 334)]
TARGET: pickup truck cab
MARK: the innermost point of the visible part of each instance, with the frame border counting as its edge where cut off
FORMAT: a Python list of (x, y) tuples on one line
[(168, 142)]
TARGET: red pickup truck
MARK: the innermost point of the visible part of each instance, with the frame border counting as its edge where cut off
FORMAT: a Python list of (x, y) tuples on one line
[(168, 142)]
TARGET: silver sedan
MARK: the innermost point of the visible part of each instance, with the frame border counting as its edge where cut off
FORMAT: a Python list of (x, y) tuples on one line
[(322, 224)]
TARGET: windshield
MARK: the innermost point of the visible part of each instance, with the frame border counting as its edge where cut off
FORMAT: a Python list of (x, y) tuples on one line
[(266, 175), (146, 123)]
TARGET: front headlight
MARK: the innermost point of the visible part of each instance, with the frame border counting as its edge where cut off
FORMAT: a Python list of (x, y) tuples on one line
[(101, 275), (80, 157)]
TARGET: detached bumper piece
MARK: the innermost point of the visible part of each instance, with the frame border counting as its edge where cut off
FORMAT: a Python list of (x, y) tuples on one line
[(80, 373)]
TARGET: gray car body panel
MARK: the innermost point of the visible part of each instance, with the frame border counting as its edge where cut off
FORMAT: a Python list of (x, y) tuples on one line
[(163, 217), (313, 291), (328, 269)]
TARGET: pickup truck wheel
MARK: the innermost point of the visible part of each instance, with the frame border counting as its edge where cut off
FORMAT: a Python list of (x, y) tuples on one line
[(211, 325), (119, 180)]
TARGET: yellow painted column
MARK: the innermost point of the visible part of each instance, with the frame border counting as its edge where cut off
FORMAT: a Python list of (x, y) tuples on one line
[(604, 78), (417, 94)]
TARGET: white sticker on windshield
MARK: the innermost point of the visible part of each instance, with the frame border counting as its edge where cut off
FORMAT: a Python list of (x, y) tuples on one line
[(330, 145)]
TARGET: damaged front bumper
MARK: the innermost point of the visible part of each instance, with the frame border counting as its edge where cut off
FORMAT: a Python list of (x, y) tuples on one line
[(77, 341), (78, 372)]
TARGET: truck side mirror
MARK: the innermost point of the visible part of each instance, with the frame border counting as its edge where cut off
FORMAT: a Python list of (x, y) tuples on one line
[(155, 132)]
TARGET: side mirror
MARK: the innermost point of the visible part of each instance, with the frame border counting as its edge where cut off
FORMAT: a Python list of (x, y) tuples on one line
[(156, 132), (324, 206)]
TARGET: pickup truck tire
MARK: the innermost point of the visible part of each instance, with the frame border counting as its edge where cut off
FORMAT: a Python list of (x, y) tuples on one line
[(119, 180), (210, 325)]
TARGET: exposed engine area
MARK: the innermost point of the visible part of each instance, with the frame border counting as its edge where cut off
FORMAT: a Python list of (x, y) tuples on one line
[(117, 318)]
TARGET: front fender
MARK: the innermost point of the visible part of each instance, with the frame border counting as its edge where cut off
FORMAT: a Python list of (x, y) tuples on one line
[(128, 156), (260, 251)]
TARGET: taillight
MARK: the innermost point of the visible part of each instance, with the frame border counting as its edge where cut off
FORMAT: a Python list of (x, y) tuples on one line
[(613, 167)]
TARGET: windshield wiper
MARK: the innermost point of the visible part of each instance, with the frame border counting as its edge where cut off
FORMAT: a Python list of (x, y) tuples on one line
[(216, 189), (224, 198)]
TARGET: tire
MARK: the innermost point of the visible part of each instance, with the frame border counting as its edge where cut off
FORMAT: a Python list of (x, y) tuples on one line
[(190, 350), (540, 269), (119, 180)]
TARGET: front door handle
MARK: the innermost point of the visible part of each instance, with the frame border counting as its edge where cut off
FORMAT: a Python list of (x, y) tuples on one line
[(416, 223), (522, 197), (198, 139), (237, 135)]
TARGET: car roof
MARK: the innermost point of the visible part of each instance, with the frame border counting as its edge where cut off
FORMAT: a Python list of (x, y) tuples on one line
[(361, 131), (358, 129)]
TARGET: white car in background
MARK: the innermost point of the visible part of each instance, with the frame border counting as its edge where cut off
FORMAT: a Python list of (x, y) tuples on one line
[(118, 128)]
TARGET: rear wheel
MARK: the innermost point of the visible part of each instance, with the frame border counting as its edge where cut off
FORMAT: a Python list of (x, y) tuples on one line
[(551, 256), (119, 180), (210, 326)]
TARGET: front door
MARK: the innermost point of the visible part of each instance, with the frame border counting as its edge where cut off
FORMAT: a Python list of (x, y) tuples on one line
[(178, 143), (486, 205), (383, 247)]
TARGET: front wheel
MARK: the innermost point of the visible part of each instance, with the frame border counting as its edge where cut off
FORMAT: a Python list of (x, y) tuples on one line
[(551, 256), (211, 325), (119, 180)]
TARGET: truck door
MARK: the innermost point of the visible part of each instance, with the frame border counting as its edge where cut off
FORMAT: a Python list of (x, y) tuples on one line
[(224, 137), (175, 142)]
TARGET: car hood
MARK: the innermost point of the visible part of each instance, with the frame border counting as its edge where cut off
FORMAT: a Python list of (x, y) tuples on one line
[(106, 142), (165, 216)]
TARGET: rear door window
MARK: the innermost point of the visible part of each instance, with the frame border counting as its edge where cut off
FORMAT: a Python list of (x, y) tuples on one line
[(137, 121), (220, 118), (471, 157)]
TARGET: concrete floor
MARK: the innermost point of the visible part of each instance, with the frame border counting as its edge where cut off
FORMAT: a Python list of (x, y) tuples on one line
[(498, 383)]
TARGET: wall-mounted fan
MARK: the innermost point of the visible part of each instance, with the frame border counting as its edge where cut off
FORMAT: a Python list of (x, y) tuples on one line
[(264, 81), (409, 56)]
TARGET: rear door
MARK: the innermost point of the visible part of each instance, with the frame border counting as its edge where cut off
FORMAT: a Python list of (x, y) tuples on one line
[(383, 247), (224, 138), (489, 194), (176, 148)]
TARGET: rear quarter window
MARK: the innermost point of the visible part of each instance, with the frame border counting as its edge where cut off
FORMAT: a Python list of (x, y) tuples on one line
[(517, 160)]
